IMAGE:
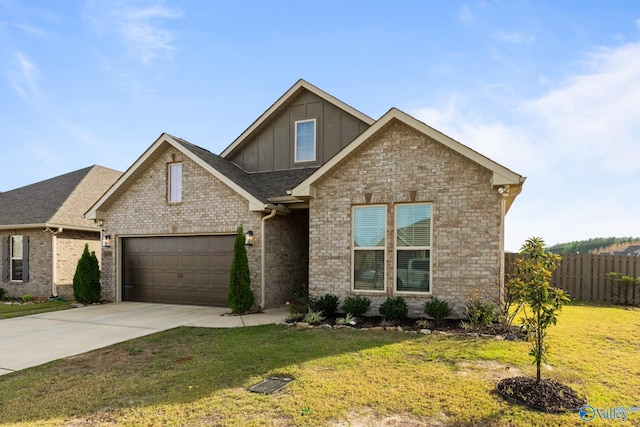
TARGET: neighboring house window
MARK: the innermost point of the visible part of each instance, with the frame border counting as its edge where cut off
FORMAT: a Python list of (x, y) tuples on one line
[(15, 258), (175, 182), (305, 149), (369, 241), (413, 247)]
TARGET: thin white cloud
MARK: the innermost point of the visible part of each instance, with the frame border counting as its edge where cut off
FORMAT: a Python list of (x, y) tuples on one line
[(79, 134), (32, 30), (23, 76), (577, 143), (594, 116), (141, 28), (465, 14), (509, 145), (513, 37)]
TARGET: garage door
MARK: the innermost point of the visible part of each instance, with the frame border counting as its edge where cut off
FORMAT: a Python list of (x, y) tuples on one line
[(177, 270)]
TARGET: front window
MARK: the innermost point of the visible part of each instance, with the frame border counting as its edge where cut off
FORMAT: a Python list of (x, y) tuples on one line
[(16, 252), (369, 225), (305, 149), (413, 248), (174, 192)]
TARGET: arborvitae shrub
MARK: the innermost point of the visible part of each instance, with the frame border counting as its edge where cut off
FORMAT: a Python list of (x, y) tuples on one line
[(240, 298), (86, 280)]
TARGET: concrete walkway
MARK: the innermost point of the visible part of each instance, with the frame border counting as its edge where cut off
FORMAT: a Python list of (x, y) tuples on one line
[(33, 340)]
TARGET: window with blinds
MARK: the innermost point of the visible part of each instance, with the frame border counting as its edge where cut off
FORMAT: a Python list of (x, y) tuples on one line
[(369, 241), (413, 247)]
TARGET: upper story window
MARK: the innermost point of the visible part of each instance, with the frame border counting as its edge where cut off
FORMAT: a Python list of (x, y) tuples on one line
[(305, 139), (369, 241), (174, 180), (413, 247)]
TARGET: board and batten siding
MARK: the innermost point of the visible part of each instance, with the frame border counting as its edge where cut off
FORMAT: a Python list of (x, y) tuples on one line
[(273, 147)]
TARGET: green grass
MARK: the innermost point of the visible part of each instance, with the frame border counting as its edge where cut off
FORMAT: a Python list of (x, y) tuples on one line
[(192, 376), (7, 311)]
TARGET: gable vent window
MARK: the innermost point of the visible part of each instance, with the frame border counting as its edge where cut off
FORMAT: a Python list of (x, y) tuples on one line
[(305, 149), (175, 183)]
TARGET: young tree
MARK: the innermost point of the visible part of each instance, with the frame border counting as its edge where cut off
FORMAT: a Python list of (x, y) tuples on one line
[(86, 280), (240, 298), (532, 277)]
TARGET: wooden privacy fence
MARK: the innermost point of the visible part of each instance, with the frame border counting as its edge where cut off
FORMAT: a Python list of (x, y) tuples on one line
[(584, 277)]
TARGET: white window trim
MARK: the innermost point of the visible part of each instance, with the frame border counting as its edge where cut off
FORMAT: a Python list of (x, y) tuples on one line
[(170, 183), (295, 141), (12, 258), (410, 248), (383, 248)]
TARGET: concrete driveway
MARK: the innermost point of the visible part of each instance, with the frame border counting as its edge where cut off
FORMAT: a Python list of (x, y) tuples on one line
[(33, 340)]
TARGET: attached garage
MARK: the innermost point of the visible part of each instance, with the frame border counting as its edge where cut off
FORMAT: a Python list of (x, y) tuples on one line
[(177, 269)]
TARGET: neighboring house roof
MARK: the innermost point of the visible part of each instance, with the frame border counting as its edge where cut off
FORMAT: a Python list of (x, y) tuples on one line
[(56, 202), (633, 250), (509, 180), (282, 103)]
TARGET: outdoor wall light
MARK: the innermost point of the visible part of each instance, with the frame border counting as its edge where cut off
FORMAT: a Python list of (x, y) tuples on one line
[(248, 238), (106, 240)]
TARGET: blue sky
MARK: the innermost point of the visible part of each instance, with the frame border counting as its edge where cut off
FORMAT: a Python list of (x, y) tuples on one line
[(549, 89)]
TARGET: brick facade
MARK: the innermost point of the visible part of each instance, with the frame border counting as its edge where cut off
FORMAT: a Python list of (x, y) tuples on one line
[(397, 165), (208, 207), (69, 246), (287, 256)]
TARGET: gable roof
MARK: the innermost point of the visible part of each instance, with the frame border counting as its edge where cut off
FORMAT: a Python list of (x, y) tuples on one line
[(56, 202), (253, 187), (501, 175), (283, 102)]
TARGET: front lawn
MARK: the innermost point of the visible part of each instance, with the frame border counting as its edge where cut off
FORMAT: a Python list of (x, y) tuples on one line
[(17, 310), (192, 376)]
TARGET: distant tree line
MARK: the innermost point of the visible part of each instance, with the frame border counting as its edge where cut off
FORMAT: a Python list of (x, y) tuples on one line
[(586, 246)]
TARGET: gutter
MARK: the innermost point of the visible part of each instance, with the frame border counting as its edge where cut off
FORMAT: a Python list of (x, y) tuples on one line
[(54, 259), (48, 225), (263, 274)]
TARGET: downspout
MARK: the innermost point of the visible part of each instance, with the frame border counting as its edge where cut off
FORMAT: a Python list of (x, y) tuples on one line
[(263, 273), (54, 259)]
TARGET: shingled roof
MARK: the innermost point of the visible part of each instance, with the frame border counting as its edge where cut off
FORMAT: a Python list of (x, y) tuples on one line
[(262, 185), (59, 201)]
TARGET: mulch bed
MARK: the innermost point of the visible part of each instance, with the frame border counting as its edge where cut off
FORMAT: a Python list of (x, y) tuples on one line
[(447, 326), (547, 396)]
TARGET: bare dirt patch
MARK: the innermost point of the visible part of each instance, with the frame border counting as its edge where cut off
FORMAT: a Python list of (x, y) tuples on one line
[(371, 419), (491, 370)]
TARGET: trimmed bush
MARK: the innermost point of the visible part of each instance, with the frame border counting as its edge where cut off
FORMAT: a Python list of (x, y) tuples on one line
[(394, 309), (480, 313), (356, 305), (437, 308), (327, 304), (86, 280), (240, 298)]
